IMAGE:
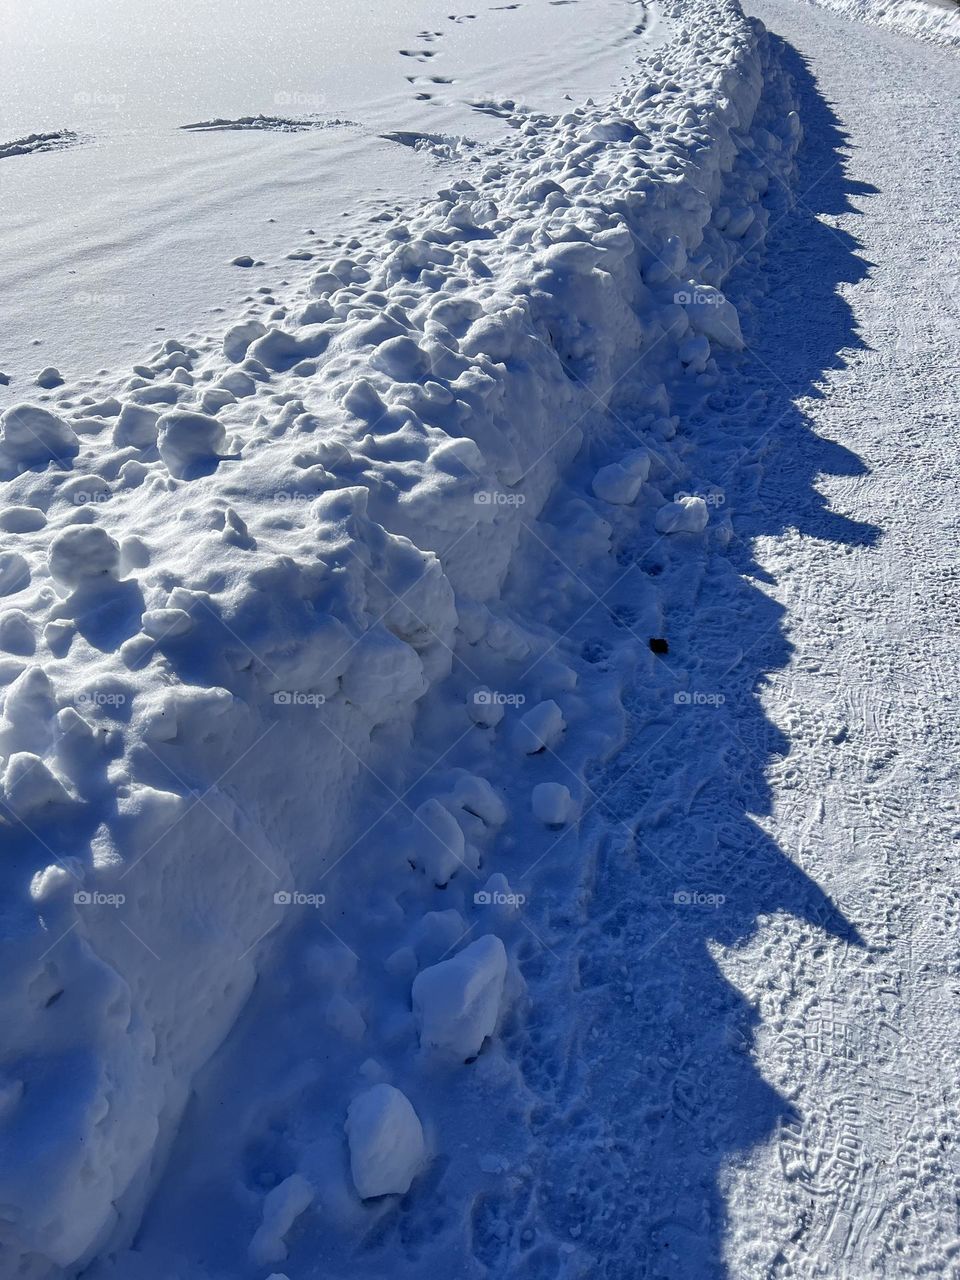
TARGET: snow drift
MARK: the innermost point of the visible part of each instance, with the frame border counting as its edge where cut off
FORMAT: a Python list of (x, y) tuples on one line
[(230, 577)]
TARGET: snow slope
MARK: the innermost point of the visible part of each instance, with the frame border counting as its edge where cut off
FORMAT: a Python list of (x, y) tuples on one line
[(237, 583)]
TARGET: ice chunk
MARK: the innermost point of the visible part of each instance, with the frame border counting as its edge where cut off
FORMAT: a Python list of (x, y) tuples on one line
[(456, 1003), (386, 1142), (687, 515)]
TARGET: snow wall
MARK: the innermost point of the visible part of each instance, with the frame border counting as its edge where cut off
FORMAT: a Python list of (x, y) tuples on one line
[(228, 583)]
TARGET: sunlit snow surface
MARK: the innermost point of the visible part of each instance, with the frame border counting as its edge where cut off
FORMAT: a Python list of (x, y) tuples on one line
[(128, 231)]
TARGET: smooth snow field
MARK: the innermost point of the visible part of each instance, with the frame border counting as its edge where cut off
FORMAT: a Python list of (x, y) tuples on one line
[(127, 228), (479, 751)]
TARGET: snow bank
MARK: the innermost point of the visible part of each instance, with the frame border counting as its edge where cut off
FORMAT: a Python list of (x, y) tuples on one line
[(275, 552), (935, 20)]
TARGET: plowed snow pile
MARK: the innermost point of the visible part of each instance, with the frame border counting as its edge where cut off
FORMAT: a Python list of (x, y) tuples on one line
[(936, 20), (252, 595)]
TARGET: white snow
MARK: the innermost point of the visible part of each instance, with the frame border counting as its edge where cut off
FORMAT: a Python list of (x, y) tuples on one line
[(456, 1003), (387, 1149)]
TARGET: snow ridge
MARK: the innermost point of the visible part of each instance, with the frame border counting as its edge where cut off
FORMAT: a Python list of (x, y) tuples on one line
[(231, 580), (934, 20)]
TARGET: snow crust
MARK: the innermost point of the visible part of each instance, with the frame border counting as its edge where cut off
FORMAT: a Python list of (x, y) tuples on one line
[(278, 546)]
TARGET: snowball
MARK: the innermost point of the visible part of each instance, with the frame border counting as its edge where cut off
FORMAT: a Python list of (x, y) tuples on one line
[(83, 553), (540, 728), (386, 1142), (188, 441), (281, 1208), (552, 803), (621, 481), (456, 1003), (686, 515), (33, 435)]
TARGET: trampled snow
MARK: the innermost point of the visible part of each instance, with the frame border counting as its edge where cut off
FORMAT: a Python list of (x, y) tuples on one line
[(402, 873)]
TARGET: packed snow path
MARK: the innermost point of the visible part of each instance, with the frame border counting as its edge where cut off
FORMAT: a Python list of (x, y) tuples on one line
[(738, 1051), (788, 1106)]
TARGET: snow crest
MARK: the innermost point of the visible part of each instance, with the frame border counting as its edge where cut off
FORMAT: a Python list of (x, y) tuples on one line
[(230, 581)]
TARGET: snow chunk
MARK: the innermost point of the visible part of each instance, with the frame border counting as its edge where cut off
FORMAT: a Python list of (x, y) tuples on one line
[(281, 1208), (82, 554), (137, 426), (686, 515), (456, 1003), (621, 481), (540, 728), (484, 708), (33, 435), (438, 844), (29, 785), (552, 803), (238, 338), (189, 442), (386, 1142)]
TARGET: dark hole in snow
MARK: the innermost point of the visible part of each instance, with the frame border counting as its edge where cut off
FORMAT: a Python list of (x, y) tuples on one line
[(659, 645), (54, 998)]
